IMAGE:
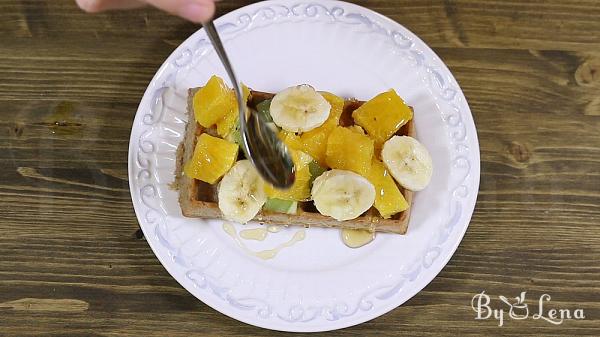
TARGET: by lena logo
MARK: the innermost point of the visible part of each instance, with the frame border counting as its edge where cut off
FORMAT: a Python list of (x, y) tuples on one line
[(518, 309)]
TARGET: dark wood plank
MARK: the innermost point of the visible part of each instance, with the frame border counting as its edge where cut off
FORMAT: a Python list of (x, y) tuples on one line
[(531, 24), (73, 262)]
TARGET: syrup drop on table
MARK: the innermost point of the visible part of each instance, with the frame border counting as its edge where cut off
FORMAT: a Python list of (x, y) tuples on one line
[(355, 238)]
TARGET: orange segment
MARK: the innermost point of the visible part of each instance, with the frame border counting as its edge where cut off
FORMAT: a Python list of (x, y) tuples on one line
[(300, 190), (212, 102), (388, 199), (313, 142), (228, 123), (337, 107), (291, 139), (382, 116), (212, 158), (350, 150), (357, 129)]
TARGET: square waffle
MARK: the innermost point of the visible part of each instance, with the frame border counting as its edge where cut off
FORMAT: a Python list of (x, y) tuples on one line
[(199, 199)]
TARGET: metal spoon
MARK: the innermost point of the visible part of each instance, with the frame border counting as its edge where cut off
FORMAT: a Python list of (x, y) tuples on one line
[(265, 151)]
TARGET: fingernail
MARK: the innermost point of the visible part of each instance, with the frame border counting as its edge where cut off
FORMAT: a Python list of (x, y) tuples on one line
[(91, 6), (194, 12)]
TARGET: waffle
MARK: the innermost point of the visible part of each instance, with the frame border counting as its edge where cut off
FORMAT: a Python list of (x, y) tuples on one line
[(199, 199)]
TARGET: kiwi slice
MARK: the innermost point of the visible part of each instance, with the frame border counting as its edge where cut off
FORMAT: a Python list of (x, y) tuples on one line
[(281, 206)]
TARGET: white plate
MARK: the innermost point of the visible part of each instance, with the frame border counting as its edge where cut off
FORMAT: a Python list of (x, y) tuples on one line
[(318, 284)]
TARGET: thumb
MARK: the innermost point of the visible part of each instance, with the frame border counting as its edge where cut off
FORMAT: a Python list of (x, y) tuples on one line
[(197, 11)]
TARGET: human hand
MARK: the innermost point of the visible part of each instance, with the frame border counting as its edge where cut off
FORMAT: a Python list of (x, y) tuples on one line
[(193, 10)]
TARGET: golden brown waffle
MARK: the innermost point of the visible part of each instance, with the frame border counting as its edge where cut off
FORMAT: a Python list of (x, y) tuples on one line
[(199, 199)]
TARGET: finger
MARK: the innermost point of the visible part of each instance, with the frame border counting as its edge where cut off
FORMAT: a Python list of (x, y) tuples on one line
[(95, 6), (193, 10)]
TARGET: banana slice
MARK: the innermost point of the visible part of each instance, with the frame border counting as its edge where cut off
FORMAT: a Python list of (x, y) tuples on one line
[(342, 195), (409, 162), (299, 109), (241, 193)]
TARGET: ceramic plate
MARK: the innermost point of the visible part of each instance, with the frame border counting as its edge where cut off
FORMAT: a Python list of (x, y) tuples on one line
[(318, 283)]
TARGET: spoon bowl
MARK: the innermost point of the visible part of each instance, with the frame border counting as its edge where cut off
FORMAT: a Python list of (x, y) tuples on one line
[(267, 152)]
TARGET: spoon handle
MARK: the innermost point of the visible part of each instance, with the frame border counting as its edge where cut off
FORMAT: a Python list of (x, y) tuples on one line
[(262, 147), (213, 35)]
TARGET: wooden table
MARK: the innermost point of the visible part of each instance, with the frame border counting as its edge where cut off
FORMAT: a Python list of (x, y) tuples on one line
[(72, 259)]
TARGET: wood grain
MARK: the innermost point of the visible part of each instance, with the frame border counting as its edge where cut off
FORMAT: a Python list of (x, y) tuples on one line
[(73, 262)]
